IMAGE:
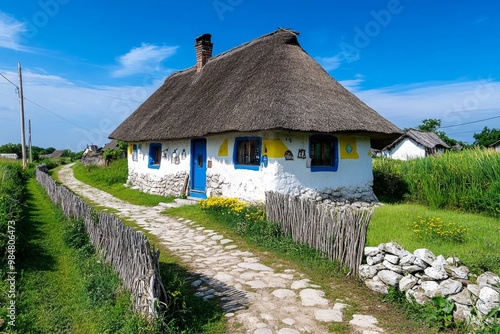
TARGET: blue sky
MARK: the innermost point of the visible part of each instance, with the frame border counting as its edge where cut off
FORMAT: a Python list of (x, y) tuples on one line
[(88, 64)]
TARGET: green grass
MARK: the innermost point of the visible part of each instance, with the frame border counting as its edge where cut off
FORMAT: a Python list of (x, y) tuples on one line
[(112, 179), (57, 284), (468, 181), (480, 250)]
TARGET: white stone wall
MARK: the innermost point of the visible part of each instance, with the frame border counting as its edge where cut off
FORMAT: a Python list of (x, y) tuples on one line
[(351, 182)]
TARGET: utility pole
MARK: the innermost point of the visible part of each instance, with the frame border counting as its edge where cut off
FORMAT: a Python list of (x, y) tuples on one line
[(21, 105), (29, 139)]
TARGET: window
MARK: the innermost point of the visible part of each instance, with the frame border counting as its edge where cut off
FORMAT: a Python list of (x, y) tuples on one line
[(324, 153), (154, 155), (247, 152), (134, 152)]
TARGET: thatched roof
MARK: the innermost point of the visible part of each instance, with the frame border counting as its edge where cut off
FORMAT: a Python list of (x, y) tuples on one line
[(268, 83), (427, 139), (111, 145), (55, 154)]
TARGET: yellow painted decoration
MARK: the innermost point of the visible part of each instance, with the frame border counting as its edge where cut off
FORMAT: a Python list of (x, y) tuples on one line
[(130, 148), (275, 148), (348, 148), (223, 149)]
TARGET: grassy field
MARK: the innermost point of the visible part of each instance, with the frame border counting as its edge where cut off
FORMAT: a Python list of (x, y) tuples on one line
[(112, 179), (468, 180), (478, 247)]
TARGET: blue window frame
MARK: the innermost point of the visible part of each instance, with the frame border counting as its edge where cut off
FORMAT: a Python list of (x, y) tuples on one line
[(154, 160), (324, 153), (247, 153)]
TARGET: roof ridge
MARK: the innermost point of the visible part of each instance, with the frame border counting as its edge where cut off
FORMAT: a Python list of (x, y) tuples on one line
[(293, 32), (220, 55)]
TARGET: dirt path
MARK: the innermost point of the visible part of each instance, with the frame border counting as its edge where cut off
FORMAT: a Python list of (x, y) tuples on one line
[(256, 298)]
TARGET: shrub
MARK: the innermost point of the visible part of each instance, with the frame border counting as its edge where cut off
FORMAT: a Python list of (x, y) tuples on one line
[(388, 182), (245, 217), (432, 228)]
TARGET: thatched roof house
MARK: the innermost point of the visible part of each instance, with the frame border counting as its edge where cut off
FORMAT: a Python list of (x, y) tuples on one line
[(268, 89), (415, 144), (268, 83), (53, 155)]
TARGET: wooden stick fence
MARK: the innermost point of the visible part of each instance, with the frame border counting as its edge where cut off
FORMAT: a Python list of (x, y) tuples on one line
[(339, 233), (128, 251)]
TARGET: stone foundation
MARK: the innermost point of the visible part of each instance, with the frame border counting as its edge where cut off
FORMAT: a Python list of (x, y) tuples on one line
[(174, 184), (170, 185), (422, 276), (217, 186)]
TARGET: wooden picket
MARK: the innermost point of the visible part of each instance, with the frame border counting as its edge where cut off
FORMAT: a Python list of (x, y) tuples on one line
[(128, 251), (337, 232)]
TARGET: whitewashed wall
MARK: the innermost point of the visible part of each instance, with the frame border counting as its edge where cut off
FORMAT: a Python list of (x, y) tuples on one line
[(407, 149), (352, 181), (290, 176)]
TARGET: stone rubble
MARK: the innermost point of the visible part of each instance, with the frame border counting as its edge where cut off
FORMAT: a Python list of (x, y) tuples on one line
[(422, 276), (256, 296)]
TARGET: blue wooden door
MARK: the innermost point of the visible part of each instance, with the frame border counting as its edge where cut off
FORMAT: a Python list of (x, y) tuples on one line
[(198, 168)]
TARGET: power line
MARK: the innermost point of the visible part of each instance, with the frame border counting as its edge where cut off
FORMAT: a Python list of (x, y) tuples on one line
[(56, 114), (459, 133), (61, 117), (13, 84), (480, 120)]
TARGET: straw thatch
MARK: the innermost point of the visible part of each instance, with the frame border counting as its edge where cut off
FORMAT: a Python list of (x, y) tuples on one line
[(268, 83), (428, 139)]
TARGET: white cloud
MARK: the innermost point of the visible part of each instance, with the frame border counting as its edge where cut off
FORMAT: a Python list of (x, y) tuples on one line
[(143, 59), (67, 114), (353, 85), (330, 63), (454, 103), (11, 31)]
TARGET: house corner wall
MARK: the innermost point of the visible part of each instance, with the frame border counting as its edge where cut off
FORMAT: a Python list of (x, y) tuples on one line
[(171, 176)]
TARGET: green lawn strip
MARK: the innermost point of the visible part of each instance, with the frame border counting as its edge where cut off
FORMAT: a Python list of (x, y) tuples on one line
[(112, 178), (286, 255), (53, 290), (480, 249)]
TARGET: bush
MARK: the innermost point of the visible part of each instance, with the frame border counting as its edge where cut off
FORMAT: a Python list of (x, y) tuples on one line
[(434, 228), (388, 182), (244, 216)]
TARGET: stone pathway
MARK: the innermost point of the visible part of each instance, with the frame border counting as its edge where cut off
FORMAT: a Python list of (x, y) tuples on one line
[(258, 298)]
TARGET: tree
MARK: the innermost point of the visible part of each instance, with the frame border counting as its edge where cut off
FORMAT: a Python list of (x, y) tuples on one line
[(432, 125), (486, 137), (11, 148)]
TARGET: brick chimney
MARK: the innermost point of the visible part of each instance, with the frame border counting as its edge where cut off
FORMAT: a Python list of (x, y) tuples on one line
[(203, 47)]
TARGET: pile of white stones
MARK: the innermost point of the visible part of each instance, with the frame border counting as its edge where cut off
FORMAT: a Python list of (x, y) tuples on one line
[(422, 276)]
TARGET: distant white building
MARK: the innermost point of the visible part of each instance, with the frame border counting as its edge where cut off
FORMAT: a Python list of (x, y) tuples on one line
[(12, 156), (496, 146), (415, 144)]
